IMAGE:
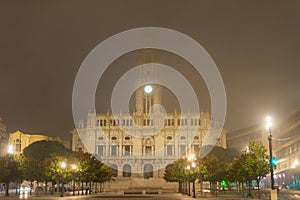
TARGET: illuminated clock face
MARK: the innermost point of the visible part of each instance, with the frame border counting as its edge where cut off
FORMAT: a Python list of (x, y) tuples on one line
[(148, 89)]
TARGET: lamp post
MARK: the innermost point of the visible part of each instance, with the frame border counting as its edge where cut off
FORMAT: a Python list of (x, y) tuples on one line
[(63, 167), (188, 180), (268, 128), (193, 167), (74, 167), (10, 153)]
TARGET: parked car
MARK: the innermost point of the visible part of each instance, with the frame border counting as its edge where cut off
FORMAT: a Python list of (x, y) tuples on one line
[(278, 187)]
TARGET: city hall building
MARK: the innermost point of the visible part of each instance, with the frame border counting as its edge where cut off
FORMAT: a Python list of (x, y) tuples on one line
[(130, 143)]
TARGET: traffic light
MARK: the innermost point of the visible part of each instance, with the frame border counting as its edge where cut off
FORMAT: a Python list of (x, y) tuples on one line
[(223, 183), (274, 161)]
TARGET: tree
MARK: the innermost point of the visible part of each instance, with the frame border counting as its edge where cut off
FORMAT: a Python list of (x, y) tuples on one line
[(41, 150), (174, 172), (254, 162), (34, 170), (215, 163), (9, 171)]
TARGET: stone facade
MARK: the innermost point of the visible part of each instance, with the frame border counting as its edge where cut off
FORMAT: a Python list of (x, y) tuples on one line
[(139, 145), (19, 141)]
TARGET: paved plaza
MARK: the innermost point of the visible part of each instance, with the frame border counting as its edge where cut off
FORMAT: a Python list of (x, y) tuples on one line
[(282, 195)]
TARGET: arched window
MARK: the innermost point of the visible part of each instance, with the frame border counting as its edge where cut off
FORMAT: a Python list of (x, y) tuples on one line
[(169, 138), (114, 138), (127, 138), (148, 171), (126, 170), (114, 169), (182, 138), (196, 138)]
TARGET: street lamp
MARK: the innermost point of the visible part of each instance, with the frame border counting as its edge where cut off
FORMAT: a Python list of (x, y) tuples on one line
[(8, 160), (74, 167), (188, 179), (193, 167), (268, 128), (63, 166), (10, 149)]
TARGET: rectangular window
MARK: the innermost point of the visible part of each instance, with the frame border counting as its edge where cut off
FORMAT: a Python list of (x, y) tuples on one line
[(169, 150), (127, 150), (182, 149), (148, 149), (196, 148), (100, 150), (113, 150)]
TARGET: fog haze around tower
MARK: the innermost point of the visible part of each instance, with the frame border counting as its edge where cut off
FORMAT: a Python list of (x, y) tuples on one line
[(255, 45)]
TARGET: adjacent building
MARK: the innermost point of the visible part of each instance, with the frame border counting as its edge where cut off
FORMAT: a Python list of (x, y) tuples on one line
[(240, 139), (19, 141), (3, 138), (286, 145)]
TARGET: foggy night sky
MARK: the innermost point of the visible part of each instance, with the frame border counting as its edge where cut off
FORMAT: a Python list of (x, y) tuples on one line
[(255, 45)]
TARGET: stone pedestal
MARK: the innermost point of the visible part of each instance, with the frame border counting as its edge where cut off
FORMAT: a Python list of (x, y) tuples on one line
[(273, 195)]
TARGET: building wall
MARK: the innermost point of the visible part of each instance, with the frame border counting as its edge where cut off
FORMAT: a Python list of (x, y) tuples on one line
[(286, 142), (240, 139), (20, 141), (116, 141), (3, 138)]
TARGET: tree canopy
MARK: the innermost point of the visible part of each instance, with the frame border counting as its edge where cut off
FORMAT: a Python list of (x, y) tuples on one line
[(40, 150)]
